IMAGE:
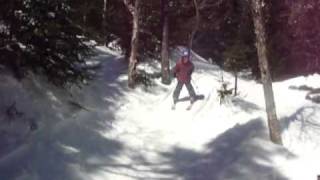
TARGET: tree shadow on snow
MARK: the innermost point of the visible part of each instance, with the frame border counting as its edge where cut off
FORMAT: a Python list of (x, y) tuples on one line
[(187, 98), (241, 153), (307, 118), (69, 144), (107, 87), (69, 154), (244, 105)]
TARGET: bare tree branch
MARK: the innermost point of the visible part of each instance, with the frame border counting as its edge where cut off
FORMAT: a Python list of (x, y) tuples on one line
[(208, 4), (129, 5), (7, 46)]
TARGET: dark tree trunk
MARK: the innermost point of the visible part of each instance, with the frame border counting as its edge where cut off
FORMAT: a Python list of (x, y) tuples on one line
[(134, 44), (85, 19), (104, 21), (274, 126), (235, 84), (195, 29), (165, 65)]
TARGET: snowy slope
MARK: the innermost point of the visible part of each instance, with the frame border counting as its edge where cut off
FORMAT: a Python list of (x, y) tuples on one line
[(106, 131)]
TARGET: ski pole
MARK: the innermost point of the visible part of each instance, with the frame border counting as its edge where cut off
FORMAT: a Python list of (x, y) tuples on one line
[(192, 81)]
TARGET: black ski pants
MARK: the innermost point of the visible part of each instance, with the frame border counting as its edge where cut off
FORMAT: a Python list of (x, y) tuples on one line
[(177, 91)]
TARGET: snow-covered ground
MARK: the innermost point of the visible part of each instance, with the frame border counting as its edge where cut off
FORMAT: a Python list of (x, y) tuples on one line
[(105, 131)]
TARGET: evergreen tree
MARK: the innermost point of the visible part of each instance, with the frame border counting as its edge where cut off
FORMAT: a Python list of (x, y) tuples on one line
[(237, 58), (293, 28), (44, 39), (91, 16)]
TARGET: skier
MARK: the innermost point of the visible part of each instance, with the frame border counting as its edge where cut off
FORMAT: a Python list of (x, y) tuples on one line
[(183, 71)]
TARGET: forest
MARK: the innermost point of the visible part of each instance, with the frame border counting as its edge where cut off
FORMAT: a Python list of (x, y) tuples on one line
[(49, 35)]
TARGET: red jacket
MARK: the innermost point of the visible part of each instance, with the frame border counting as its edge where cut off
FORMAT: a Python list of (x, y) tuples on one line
[(183, 71)]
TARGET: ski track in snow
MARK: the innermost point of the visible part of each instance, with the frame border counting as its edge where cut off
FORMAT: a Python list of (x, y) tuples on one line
[(111, 132)]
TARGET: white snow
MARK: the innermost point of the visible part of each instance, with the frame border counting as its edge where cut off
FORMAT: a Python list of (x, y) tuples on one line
[(114, 45), (106, 131)]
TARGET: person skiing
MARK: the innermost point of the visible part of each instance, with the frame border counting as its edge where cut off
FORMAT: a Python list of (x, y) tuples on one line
[(183, 71)]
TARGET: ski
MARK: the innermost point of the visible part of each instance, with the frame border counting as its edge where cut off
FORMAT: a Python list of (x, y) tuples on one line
[(198, 97), (190, 106), (173, 107)]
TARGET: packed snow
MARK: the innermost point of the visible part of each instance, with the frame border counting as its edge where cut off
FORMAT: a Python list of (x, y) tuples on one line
[(105, 131)]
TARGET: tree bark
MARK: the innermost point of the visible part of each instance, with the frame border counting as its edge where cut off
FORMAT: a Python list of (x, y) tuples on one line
[(134, 41), (235, 83), (84, 18), (84, 21), (104, 21), (195, 29), (274, 125), (165, 64)]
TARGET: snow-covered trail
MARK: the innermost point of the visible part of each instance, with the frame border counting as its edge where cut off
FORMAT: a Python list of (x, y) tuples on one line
[(211, 141), (196, 144), (106, 131)]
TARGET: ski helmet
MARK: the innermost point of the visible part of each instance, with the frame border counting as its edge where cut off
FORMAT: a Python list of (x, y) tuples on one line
[(185, 53)]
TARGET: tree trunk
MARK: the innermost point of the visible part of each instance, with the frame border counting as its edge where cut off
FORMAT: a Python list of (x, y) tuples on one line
[(235, 83), (195, 29), (165, 65), (274, 126), (84, 18), (134, 45), (104, 21)]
